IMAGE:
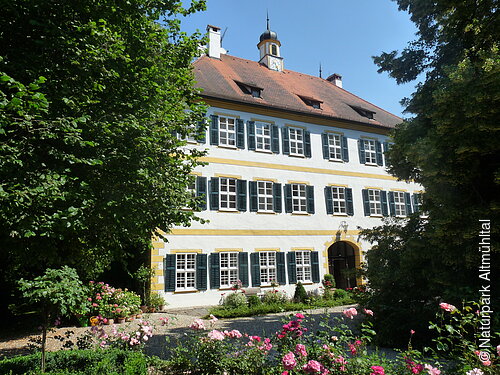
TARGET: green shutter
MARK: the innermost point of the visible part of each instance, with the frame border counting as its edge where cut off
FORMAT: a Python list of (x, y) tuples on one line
[(348, 201), (201, 271), (240, 133), (241, 192), (361, 149), (214, 193), (326, 146), (383, 197), (378, 149), (275, 139), (252, 187), (200, 137), (214, 130), (292, 268), (345, 148), (169, 272), (408, 204), (285, 134), (310, 199), (288, 197), (277, 198), (201, 192), (255, 268), (315, 267), (214, 271), (243, 268), (386, 148), (366, 202), (416, 202), (392, 205), (251, 135), (280, 268), (329, 200), (307, 144)]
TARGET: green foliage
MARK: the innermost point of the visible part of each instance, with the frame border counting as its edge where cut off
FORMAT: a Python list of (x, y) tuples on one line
[(156, 301), (91, 94), (300, 294), (235, 300), (328, 281), (274, 297), (253, 301), (340, 293)]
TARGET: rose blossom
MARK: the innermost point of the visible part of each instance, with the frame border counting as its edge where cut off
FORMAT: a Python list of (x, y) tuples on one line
[(350, 313), (377, 370), (216, 335), (447, 307), (474, 371), (197, 324), (289, 361), (432, 370), (312, 367), (368, 312), (301, 350)]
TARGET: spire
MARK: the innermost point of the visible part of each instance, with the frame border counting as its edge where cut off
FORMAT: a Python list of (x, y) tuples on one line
[(320, 71)]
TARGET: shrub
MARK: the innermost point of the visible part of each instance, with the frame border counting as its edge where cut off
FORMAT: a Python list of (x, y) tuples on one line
[(274, 297), (235, 300), (300, 293), (328, 281), (340, 293), (254, 301), (156, 301)]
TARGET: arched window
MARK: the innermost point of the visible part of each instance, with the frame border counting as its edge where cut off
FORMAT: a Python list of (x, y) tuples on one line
[(274, 50)]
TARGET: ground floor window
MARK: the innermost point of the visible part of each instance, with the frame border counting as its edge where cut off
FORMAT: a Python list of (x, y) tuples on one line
[(303, 264), (185, 273), (228, 269), (267, 267)]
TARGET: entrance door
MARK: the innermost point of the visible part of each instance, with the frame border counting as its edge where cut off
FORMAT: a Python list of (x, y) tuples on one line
[(342, 265)]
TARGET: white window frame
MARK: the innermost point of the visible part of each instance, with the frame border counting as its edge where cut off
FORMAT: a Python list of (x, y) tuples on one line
[(339, 201), (370, 151), (227, 131), (375, 199), (334, 146), (228, 198), (399, 204), (268, 267), (229, 268), (265, 197), (296, 139), (185, 271), (299, 198), (263, 137), (303, 266)]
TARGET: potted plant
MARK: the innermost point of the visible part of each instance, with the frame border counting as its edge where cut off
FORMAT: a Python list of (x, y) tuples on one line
[(156, 302)]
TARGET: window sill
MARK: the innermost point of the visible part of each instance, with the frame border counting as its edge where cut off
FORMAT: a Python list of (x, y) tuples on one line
[(264, 151), (186, 291), (229, 211), (371, 164), (301, 213), (336, 160), (377, 216), (297, 155), (228, 146), (340, 214), (305, 282), (266, 213)]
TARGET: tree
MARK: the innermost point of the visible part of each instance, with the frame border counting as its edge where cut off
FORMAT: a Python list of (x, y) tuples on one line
[(450, 146), (93, 97)]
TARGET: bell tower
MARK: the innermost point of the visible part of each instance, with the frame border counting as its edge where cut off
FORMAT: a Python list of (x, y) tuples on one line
[(269, 48)]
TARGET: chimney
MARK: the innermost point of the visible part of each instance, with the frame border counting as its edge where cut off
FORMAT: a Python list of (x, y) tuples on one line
[(214, 42), (336, 79)]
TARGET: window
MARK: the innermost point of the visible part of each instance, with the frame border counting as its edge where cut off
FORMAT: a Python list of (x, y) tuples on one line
[(249, 89), (265, 196), (374, 197), (299, 198), (370, 151), (296, 141), (267, 261), (399, 203), (263, 136), (363, 112), (334, 146), (185, 273), (227, 194), (338, 200), (227, 131), (228, 269), (303, 264), (274, 50)]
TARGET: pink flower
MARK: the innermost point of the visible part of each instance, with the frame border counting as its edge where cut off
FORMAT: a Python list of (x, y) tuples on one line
[(164, 321), (498, 350), (213, 319), (216, 335), (475, 371), (197, 325), (299, 315), (89, 299), (312, 367), (447, 307), (432, 370), (412, 331), (368, 312), (350, 313), (300, 350), (289, 361), (377, 370), (95, 304), (284, 373), (234, 334), (486, 363), (102, 344)]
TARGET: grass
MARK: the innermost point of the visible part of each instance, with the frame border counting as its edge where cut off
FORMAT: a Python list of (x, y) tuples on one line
[(262, 309)]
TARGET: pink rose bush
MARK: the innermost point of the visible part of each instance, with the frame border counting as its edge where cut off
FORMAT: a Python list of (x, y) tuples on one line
[(447, 307), (350, 313), (198, 325), (134, 339)]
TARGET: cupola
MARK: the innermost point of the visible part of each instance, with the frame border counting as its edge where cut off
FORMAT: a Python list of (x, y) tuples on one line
[(269, 48)]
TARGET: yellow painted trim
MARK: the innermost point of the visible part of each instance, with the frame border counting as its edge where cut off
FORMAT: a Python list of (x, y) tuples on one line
[(266, 213), (228, 176), (230, 211), (274, 112), (419, 192), (298, 182), (302, 249), (296, 126), (186, 291), (155, 251), (180, 251), (267, 249), (256, 232), (158, 245), (294, 168), (156, 258), (226, 115), (269, 41), (228, 147), (261, 120), (157, 286), (373, 188), (300, 214), (401, 190), (264, 179), (228, 250), (194, 173), (338, 185)]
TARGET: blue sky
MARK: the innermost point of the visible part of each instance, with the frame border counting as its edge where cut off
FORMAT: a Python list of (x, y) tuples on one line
[(342, 35)]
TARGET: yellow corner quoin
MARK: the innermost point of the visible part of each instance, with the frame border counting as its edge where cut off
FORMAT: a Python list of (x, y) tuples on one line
[(156, 258), (157, 286), (228, 250), (267, 249), (245, 163), (257, 232), (179, 251), (228, 176)]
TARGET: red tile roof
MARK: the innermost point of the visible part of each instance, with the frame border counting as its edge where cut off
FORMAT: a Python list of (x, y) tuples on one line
[(282, 90)]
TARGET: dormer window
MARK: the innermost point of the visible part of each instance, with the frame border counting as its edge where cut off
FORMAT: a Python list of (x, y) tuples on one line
[(311, 102), (250, 89), (363, 112)]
